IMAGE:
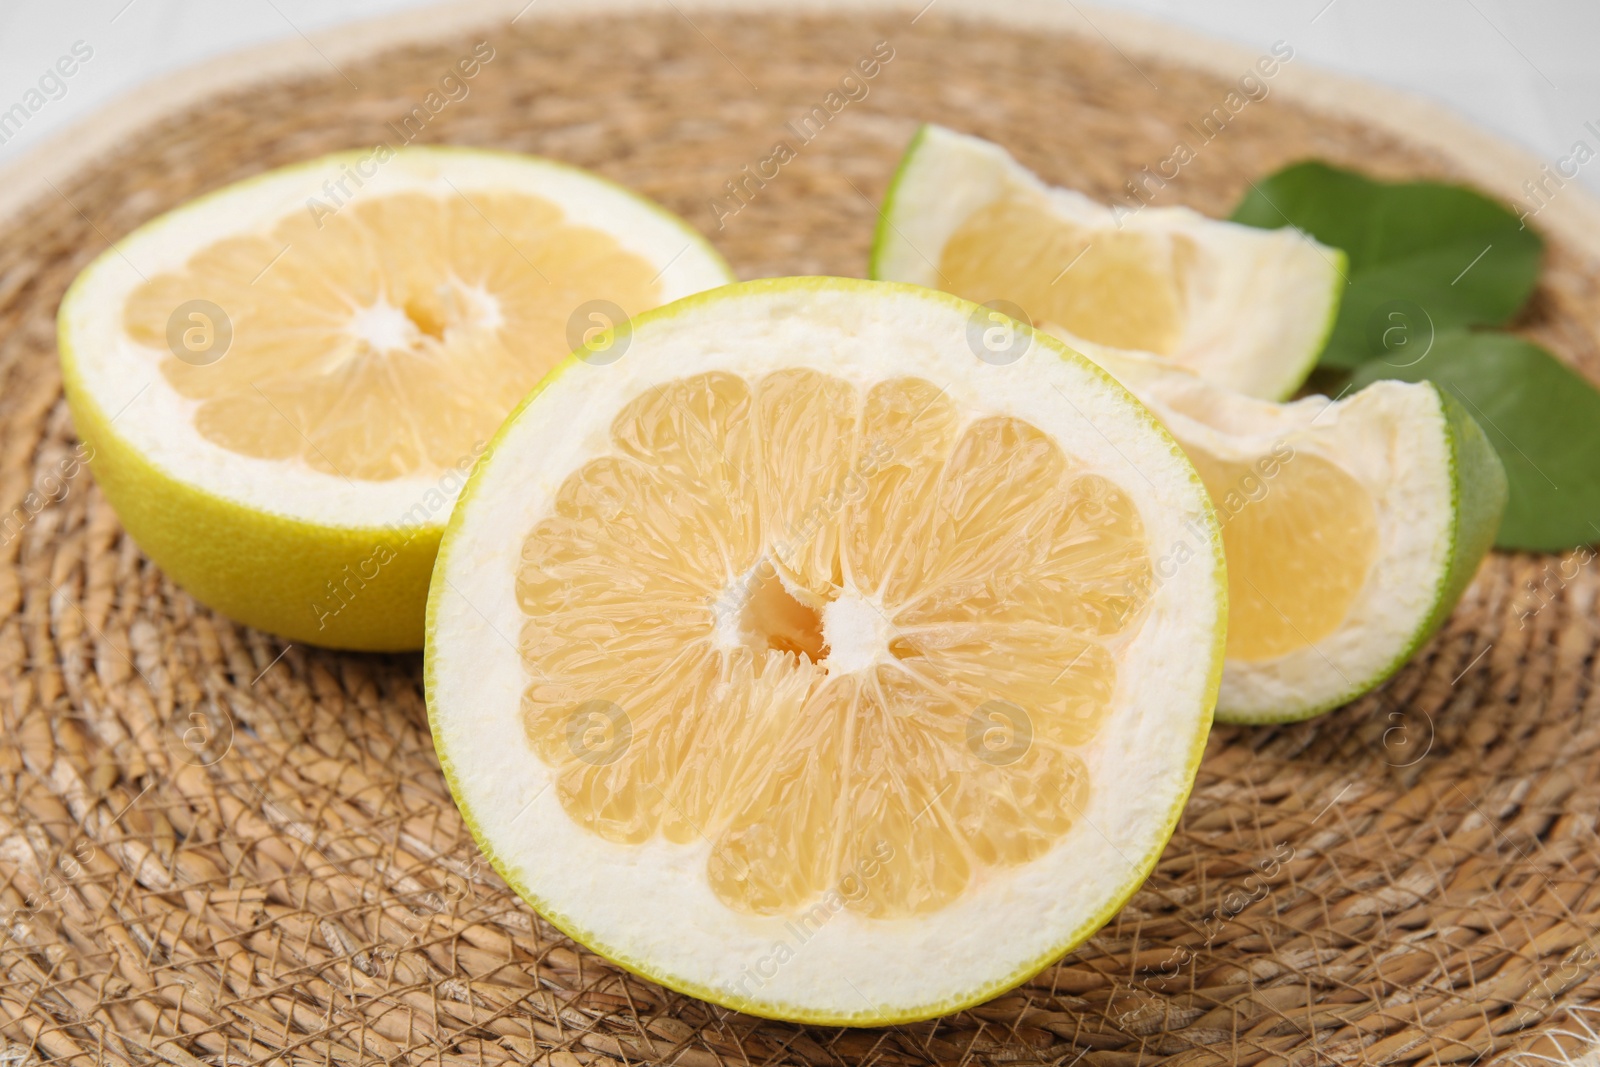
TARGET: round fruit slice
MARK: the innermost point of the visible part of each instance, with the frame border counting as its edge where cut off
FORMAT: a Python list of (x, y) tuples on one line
[(1352, 527), (1249, 309), (286, 382), (804, 662)]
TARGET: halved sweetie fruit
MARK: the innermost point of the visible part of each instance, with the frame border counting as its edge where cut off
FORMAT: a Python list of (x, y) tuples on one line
[(1249, 309), (286, 382), (806, 662), (1352, 528)]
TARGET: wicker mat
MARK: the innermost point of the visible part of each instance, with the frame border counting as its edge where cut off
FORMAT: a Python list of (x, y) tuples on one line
[(214, 849)]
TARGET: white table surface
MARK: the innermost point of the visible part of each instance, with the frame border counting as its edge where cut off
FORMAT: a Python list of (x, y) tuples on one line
[(1526, 69)]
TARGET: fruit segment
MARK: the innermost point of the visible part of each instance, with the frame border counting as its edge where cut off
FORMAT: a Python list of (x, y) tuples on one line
[(1299, 553), (389, 338), (1123, 289), (842, 638)]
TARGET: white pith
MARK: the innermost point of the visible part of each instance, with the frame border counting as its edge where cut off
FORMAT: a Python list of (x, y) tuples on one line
[(1255, 314), (650, 906), (1394, 438), (856, 631), (125, 380), (384, 327)]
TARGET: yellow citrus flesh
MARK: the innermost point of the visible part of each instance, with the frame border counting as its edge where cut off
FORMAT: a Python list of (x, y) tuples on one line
[(389, 338), (1116, 288), (848, 639), (1299, 544)]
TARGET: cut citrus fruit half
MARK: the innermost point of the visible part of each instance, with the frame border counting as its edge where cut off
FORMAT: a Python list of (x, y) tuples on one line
[(1249, 309), (807, 663), (285, 382), (1352, 527)]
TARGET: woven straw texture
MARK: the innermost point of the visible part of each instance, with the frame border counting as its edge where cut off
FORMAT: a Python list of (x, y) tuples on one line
[(214, 849)]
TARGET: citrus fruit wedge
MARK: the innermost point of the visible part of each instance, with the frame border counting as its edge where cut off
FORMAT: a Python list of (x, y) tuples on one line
[(1352, 527), (1249, 309), (804, 662), (285, 382)]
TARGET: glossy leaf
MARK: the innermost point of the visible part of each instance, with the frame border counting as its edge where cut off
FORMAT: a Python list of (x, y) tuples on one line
[(1425, 257), (1543, 419)]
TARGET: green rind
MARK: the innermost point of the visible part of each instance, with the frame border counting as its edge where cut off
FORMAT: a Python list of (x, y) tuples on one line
[(1479, 491), (779, 1011), (267, 571), (302, 581), (881, 233), (1478, 497)]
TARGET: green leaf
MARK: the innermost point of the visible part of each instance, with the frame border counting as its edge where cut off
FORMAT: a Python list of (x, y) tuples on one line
[(1424, 256), (1543, 419)]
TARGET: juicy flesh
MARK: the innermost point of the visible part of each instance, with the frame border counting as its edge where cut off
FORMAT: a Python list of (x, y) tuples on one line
[(1116, 288), (391, 337), (1300, 537), (851, 640)]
